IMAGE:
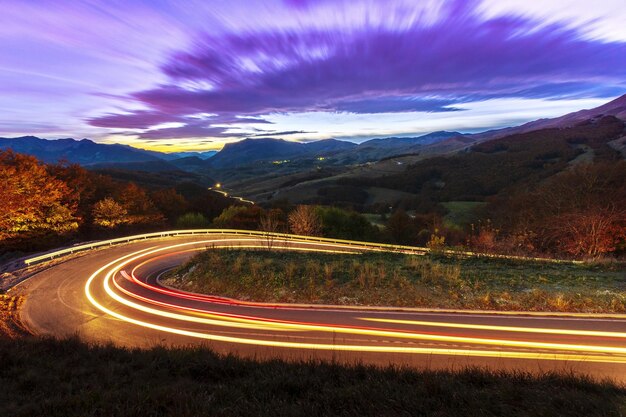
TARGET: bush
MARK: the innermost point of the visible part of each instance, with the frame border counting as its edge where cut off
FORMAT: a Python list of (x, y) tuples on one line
[(192, 221)]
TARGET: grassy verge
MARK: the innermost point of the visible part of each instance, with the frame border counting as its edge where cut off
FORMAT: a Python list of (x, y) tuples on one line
[(402, 280), (68, 378)]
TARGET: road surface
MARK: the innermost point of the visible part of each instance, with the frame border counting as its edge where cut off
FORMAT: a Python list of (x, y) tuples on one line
[(114, 295)]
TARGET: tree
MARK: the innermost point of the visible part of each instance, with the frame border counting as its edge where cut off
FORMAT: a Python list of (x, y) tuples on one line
[(303, 220), (401, 228), (170, 203), (346, 224), (140, 208), (579, 212), (135, 200), (593, 231), (109, 213), (586, 209), (239, 217), (78, 181), (271, 222), (33, 202), (192, 221)]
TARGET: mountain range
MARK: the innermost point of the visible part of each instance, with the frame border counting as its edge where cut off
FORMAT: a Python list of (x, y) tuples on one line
[(252, 152)]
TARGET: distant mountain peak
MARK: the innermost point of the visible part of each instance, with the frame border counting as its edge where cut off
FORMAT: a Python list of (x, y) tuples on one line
[(84, 151), (251, 150)]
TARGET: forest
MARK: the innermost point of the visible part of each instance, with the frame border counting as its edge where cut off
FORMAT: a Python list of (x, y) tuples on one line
[(578, 212)]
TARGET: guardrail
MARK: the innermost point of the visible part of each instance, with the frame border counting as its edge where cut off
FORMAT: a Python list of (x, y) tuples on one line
[(78, 248), (392, 248)]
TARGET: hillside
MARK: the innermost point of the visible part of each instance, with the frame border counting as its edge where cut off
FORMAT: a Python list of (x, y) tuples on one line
[(89, 153), (490, 167), (378, 149), (84, 152), (615, 108), (467, 172), (249, 151), (375, 171)]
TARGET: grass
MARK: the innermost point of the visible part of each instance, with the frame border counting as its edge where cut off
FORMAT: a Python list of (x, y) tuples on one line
[(386, 279), (375, 219), (462, 213), (69, 378), (9, 326)]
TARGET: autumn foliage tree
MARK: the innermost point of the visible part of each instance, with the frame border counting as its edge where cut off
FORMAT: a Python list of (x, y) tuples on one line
[(239, 217), (170, 203), (304, 220), (588, 208), (580, 212), (34, 203), (109, 213), (44, 205)]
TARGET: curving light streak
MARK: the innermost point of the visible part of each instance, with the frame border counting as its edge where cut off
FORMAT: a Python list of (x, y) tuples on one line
[(339, 347), (570, 332), (336, 328), (259, 323)]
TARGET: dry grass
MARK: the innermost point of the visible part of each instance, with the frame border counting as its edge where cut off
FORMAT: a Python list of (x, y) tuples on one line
[(9, 325), (406, 281), (68, 378)]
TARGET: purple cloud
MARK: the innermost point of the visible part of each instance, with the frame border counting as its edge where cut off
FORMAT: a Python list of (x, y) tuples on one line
[(276, 134), (394, 104), (197, 130), (459, 58), (140, 119)]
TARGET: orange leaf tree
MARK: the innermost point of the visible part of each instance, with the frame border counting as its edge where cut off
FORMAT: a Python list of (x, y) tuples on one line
[(33, 203)]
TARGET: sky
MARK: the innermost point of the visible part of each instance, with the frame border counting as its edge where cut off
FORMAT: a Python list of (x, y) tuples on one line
[(193, 75)]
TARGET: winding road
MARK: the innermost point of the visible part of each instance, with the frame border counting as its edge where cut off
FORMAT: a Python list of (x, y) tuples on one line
[(113, 294)]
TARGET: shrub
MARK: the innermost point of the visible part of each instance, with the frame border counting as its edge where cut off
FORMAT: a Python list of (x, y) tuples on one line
[(192, 221)]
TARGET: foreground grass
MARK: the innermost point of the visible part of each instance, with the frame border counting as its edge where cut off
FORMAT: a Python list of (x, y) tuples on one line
[(405, 281), (68, 378)]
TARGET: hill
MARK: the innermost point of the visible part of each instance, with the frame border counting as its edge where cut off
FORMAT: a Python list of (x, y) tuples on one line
[(468, 171), (249, 151), (377, 149), (84, 152), (492, 166), (615, 108)]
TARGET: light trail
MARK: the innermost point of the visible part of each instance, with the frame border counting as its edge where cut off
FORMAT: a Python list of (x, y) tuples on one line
[(525, 349), (339, 347), (570, 332)]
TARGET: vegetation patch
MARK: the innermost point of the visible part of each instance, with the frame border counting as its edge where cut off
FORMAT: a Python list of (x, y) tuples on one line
[(388, 279), (9, 324), (462, 213), (69, 378)]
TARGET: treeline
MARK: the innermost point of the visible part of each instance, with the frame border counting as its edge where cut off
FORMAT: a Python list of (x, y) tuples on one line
[(43, 205), (578, 213)]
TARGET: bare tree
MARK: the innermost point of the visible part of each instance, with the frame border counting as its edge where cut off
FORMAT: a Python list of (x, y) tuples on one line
[(305, 221), (271, 224)]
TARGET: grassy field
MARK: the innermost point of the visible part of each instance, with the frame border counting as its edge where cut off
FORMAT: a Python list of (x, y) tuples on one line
[(404, 280), (69, 378), (462, 213)]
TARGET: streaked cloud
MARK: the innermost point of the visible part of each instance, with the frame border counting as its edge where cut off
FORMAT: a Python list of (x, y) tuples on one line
[(221, 69)]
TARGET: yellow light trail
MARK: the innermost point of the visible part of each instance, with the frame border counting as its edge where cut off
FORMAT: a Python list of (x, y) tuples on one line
[(467, 352), (570, 332)]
